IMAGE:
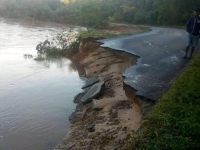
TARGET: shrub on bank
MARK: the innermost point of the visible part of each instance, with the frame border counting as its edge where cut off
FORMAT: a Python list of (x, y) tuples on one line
[(174, 123), (66, 52), (60, 45)]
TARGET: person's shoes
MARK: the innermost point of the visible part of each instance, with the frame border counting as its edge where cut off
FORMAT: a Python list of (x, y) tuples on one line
[(185, 57)]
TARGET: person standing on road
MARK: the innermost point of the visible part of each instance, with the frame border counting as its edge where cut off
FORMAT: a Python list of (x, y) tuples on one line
[(193, 29)]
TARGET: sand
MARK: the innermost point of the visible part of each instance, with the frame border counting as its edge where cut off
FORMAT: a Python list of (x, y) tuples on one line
[(115, 115)]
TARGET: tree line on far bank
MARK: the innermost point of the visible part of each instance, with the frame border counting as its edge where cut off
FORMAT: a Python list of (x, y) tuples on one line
[(97, 13)]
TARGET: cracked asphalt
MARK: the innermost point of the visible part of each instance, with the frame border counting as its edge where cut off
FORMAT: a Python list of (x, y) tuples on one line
[(160, 59)]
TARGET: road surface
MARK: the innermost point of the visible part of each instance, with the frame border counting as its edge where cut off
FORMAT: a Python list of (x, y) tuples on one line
[(160, 59)]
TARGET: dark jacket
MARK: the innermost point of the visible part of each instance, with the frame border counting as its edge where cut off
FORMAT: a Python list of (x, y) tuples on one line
[(193, 26)]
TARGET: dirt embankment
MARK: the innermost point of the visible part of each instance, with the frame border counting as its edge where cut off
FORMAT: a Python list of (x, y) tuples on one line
[(116, 114)]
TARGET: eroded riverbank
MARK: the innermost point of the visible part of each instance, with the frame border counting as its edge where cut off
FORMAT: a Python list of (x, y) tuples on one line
[(116, 114)]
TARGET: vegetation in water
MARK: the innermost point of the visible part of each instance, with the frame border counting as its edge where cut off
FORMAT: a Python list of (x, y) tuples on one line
[(65, 44), (97, 13), (39, 58), (174, 122)]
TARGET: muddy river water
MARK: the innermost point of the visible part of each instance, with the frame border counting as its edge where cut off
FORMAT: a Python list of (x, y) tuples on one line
[(36, 98)]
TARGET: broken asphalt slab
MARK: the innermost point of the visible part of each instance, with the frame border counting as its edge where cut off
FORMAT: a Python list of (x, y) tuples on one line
[(160, 59), (69, 146), (94, 92), (90, 82)]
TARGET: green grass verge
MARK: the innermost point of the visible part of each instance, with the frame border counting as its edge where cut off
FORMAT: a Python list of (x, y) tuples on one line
[(174, 123), (100, 34)]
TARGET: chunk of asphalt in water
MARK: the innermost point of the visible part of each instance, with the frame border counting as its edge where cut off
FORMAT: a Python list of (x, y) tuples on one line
[(90, 82), (69, 146), (94, 92), (78, 97)]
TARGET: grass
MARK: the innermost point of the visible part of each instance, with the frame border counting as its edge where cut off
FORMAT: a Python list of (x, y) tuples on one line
[(100, 34), (174, 123)]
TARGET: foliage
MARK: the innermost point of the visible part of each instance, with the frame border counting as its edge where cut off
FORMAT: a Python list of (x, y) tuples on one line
[(101, 34), (63, 44), (174, 122), (39, 58), (97, 13)]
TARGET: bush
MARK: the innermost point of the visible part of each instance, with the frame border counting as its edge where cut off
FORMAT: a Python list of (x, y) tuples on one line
[(61, 45)]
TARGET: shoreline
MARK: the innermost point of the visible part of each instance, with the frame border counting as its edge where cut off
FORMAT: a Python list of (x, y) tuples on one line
[(117, 113)]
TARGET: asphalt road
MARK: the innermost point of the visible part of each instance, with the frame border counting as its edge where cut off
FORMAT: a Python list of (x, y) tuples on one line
[(160, 59)]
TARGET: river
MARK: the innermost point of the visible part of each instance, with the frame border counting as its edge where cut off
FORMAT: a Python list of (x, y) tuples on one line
[(36, 98)]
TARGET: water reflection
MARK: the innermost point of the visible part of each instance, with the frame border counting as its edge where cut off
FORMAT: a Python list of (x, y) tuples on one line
[(60, 62)]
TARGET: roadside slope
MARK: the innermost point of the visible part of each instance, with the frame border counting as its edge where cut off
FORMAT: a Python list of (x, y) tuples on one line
[(112, 114), (174, 122)]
